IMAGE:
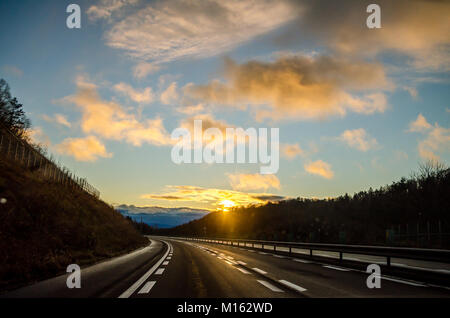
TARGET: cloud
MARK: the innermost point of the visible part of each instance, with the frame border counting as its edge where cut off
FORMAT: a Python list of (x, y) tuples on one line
[(191, 109), (437, 138), (250, 182), (320, 168), (109, 120), (290, 151), (167, 30), (305, 87), (436, 141), (412, 91), (59, 119), (358, 139), (37, 136), (12, 70), (419, 125), (83, 149), (145, 96), (419, 24), (106, 8), (170, 95), (210, 197), (143, 69)]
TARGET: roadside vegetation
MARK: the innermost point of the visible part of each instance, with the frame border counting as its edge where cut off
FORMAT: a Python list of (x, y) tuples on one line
[(45, 226)]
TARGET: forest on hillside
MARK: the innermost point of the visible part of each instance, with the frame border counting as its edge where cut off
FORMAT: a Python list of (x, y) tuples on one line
[(413, 211)]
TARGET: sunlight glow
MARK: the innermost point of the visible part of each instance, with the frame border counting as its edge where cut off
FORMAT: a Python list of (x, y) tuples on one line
[(226, 204)]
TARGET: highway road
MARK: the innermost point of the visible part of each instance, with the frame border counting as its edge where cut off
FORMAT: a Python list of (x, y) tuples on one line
[(175, 268)]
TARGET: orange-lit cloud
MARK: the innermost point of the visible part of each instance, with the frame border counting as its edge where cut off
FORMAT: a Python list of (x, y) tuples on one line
[(143, 69), (109, 120), (250, 182), (412, 28), (83, 149), (358, 139), (170, 95), (58, 118), (37, 136), (290, 151), (104, 9), (419, 125), (210, 197), (320, 168), (437, 138), (144, 96), (302, 87)]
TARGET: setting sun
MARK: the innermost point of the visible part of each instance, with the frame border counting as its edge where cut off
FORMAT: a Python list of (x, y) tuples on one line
[(226, 204)]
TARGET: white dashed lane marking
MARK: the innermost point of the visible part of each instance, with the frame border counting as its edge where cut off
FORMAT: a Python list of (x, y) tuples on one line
[(259, 271), (270, 286), (292, 285), (165, 263), (147, 287), (159, 271), (243, 271), (241, 263)]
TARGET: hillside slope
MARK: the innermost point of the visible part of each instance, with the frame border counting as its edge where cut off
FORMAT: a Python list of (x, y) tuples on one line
[(45, 226)]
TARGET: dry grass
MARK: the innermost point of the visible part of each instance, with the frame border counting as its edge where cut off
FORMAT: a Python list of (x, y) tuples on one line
[(45, 226)]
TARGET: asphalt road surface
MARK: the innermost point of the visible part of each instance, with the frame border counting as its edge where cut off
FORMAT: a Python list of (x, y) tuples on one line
[(181, 269)]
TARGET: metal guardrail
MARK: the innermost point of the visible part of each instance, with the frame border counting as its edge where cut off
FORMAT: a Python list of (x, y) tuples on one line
[(433, 255)]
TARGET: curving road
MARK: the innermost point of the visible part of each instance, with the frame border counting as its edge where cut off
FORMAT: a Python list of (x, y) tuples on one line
[(174, 268)]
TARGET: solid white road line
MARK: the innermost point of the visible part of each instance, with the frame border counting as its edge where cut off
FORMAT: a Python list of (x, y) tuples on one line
[(147, 287), (165, 263), (243, 270), (241, 262), (259, 271), (270, 286), (291, 285), (337, 268), (159, 271), (141, 280)]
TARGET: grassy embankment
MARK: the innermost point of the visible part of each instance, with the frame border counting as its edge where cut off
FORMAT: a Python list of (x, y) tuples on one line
[(45, 226)]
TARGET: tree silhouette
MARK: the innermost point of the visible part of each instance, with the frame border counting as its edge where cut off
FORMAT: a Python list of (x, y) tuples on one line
[(12, 115)]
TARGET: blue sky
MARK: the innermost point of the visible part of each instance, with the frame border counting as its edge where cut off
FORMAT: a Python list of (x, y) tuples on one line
[(313, 78)]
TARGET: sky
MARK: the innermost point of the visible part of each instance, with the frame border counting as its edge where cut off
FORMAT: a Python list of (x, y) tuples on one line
[(355, 107)]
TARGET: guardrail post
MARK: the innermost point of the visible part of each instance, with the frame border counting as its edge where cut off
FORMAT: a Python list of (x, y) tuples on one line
[(262, 245), (340, 256), (388, 261), (274, 247), (310, 252), (253, 245), (290, 250)]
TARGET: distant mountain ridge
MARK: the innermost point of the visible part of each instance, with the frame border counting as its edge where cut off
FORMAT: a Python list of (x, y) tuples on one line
[(161, 217)]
